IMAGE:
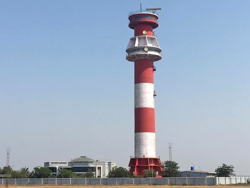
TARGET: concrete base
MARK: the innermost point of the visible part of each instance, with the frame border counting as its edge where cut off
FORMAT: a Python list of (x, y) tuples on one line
[(137, 165)]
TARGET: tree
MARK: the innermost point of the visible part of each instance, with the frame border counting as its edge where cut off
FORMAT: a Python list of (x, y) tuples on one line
[(22, 173), (6, 170), (170, 169), (224, 170), (119, 172), (88, 174), (40, 172), (149, 173), (64, 173), (15, 174)]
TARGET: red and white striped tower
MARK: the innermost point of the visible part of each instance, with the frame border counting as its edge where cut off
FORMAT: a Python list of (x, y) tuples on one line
[(143, 49)]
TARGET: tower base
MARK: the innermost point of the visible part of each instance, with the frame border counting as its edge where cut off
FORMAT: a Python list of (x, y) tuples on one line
[(137, 165)]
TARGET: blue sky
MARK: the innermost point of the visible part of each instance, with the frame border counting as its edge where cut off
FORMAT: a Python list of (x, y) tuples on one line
[(67, 89)]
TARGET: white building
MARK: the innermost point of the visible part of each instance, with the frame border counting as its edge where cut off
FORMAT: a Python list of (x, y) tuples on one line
[(82, 165), (195, 173), (55, 166)]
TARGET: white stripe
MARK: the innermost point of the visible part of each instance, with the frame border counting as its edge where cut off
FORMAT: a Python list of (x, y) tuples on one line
[(144, 95), (145, 145)]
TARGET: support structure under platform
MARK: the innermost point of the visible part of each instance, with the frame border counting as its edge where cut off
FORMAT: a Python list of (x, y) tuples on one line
[(137, 165)]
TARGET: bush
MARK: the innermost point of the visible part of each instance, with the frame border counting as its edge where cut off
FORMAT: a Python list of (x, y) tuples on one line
[(119, 172), (149, 173)]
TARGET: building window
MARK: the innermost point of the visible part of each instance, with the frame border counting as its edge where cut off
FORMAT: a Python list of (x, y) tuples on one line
[(83, 169)]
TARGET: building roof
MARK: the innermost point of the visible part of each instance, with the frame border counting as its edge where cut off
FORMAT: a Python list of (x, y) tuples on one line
[(83, 159), (196, 171)]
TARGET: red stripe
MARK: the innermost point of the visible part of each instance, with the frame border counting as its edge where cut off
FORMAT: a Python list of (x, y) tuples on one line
[(144, 120), (141, 27), (144, 71)]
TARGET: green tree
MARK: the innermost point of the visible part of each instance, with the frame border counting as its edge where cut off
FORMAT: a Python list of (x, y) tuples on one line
[(22, 173), (40, 172), (119, 172), (6, 170), (64, 173), (15, 174), (88, 174), (170, 169), (149, 173), (224, 170)]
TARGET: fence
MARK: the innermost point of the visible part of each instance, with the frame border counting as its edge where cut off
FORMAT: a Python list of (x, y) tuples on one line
[(123, 181)]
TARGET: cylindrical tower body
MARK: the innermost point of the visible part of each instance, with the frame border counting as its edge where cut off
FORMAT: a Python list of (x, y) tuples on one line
[(143, 49)]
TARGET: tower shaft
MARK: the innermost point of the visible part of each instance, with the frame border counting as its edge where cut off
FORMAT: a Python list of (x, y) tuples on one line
[(144, 109)]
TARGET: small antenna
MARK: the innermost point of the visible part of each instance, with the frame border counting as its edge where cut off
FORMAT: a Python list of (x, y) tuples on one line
[(153, 9), (140, 8)]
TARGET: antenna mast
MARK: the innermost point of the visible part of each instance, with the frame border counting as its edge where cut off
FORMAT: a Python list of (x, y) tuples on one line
[(8, 157), (7, 167), (170, 151)]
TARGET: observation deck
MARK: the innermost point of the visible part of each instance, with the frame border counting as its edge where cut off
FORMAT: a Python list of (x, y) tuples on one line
[(143, 17), (143, 47)]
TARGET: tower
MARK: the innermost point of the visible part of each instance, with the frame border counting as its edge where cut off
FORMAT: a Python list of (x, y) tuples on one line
[(143, 49)]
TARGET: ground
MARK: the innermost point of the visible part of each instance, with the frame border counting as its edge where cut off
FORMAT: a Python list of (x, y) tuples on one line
[(122, 186)]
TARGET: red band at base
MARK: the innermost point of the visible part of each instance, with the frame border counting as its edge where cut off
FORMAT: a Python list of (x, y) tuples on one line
[(137, 165)]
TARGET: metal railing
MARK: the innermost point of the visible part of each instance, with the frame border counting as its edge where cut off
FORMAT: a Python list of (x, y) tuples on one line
[(142, 51), (141, 11)]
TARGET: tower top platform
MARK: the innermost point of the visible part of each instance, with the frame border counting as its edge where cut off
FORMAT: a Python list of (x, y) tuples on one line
[(142, 11), (143, 17)]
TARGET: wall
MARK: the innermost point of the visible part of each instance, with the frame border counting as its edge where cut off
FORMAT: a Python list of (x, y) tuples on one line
[(231, 180)]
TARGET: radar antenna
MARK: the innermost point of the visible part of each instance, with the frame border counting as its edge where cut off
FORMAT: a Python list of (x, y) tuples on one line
[(153, 9)]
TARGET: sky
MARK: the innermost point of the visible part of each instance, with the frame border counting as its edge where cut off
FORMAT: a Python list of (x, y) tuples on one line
[(67, 90)]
